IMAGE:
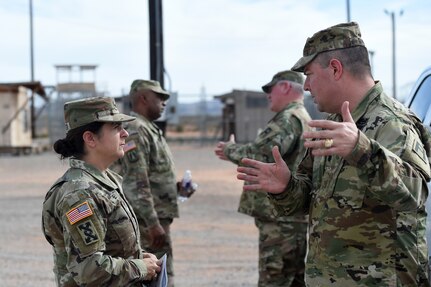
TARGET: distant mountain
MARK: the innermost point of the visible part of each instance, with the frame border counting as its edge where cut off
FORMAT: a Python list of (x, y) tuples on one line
[(211, 108)]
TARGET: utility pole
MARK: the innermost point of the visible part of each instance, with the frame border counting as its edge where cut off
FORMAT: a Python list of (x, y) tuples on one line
[(156, 48), (32, 102), (394, 78), (156, 41), (371, 53), (31, 42), (348, 10)]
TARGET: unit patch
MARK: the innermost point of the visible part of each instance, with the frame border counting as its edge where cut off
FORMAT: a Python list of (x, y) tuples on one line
[(88, 232), (132, 156), (78, 213)]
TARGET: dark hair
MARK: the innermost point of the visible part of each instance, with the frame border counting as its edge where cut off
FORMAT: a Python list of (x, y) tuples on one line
[(73, 143), (354, 59)]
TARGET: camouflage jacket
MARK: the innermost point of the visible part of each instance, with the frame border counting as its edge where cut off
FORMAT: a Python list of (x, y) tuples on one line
[(92, 229), (283, 130), (148, 171), (367, 212)]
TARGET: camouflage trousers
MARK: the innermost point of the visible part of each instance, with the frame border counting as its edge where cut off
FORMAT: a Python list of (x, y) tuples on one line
[(282, 249), (166, 248)]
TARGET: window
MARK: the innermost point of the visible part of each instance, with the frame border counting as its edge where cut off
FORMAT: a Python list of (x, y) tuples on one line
[(256, 102), (422, 98)]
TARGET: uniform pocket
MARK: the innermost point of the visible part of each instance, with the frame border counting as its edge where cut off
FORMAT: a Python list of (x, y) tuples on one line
[(349, 188)]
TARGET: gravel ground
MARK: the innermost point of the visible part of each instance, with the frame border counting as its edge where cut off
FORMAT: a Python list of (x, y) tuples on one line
[(214, 245)]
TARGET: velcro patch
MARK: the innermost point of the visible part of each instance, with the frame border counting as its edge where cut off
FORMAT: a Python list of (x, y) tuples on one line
[(132, 156), (419, 150), (79, 212), (415, 154), (130, 145), (88, 232)]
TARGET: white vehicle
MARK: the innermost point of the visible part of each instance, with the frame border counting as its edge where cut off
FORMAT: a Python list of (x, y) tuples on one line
[(419, 102)]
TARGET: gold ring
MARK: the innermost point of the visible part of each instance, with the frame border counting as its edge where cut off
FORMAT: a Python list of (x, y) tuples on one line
[(328, 143)]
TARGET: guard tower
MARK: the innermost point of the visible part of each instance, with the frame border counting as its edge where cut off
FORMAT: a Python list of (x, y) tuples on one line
[(73, 82)]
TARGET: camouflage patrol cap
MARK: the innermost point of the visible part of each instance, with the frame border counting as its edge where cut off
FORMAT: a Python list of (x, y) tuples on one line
[(284, 76), (84, 111), (341, 36), (154, 86)]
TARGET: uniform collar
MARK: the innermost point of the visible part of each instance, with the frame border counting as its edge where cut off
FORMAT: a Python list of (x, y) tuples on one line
[(289, 106), (371, 95), (149, 123), (363, 105), (100, 176)]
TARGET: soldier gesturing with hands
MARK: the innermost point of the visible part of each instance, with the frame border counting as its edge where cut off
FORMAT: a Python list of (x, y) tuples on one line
[(274, 177), (331, 137), (363, 178)]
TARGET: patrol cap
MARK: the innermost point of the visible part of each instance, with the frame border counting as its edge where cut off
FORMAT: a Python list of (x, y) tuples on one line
[(99, 109), (284, 76), (341, 36), (150, 85)]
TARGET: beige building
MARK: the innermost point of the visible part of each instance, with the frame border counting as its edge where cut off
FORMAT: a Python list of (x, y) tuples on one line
[(246, 113), (16, 116)]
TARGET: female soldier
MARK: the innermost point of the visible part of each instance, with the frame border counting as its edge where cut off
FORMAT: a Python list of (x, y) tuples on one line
[(85, 217)]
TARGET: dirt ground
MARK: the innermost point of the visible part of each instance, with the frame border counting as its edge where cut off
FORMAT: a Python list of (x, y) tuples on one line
[(214, 245)]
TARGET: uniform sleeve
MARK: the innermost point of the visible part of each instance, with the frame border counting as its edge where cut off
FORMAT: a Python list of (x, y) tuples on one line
[(297, 195), (136, 184), (395, 164), (393, 167), (85, 235), (276, 133)]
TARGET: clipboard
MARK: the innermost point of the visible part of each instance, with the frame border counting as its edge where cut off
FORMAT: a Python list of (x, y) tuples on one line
[(162, 277)]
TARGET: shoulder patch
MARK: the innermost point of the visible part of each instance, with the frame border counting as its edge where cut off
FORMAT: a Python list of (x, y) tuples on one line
[(79, 212), (130, 145), (132, 156), (88, 232)]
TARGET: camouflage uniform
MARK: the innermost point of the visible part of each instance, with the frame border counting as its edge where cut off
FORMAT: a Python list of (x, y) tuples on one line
[(367, 210), (149, 182), (86, 218), (282, 239), (100, 249)]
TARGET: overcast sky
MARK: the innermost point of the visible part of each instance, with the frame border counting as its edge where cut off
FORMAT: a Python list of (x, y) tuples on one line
[(218, 45)]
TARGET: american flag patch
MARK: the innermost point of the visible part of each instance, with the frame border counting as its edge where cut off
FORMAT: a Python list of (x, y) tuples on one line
[(129, 146), (80, 212)]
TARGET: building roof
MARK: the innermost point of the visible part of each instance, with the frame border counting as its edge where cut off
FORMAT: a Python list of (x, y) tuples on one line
[(238, 92), (36, 87)]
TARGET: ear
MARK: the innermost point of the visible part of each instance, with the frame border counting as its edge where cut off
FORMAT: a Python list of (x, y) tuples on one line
[(337, 68), (143, 97), (286, 87), (89, 139)]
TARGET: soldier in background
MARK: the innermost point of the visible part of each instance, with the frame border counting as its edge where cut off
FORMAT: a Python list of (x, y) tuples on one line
[(148, 171), (363, 179), (282, 239), (85, 216)]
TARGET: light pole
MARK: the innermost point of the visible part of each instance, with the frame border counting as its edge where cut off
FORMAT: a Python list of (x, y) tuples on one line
[(31, 42), (394, 80), (348, 10), (32, 103), (371, 53)]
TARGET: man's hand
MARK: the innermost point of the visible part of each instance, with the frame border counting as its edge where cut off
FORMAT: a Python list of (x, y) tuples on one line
[(219, 150), (270, 177), (340, 138), (153, 266), (186, 192), (158, 236)]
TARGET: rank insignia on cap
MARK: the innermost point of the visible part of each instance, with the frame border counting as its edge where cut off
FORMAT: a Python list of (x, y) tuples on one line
[(129, 146), (78, 213)]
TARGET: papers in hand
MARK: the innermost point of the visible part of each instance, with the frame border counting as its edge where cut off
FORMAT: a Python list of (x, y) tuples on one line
[(162, 277)]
